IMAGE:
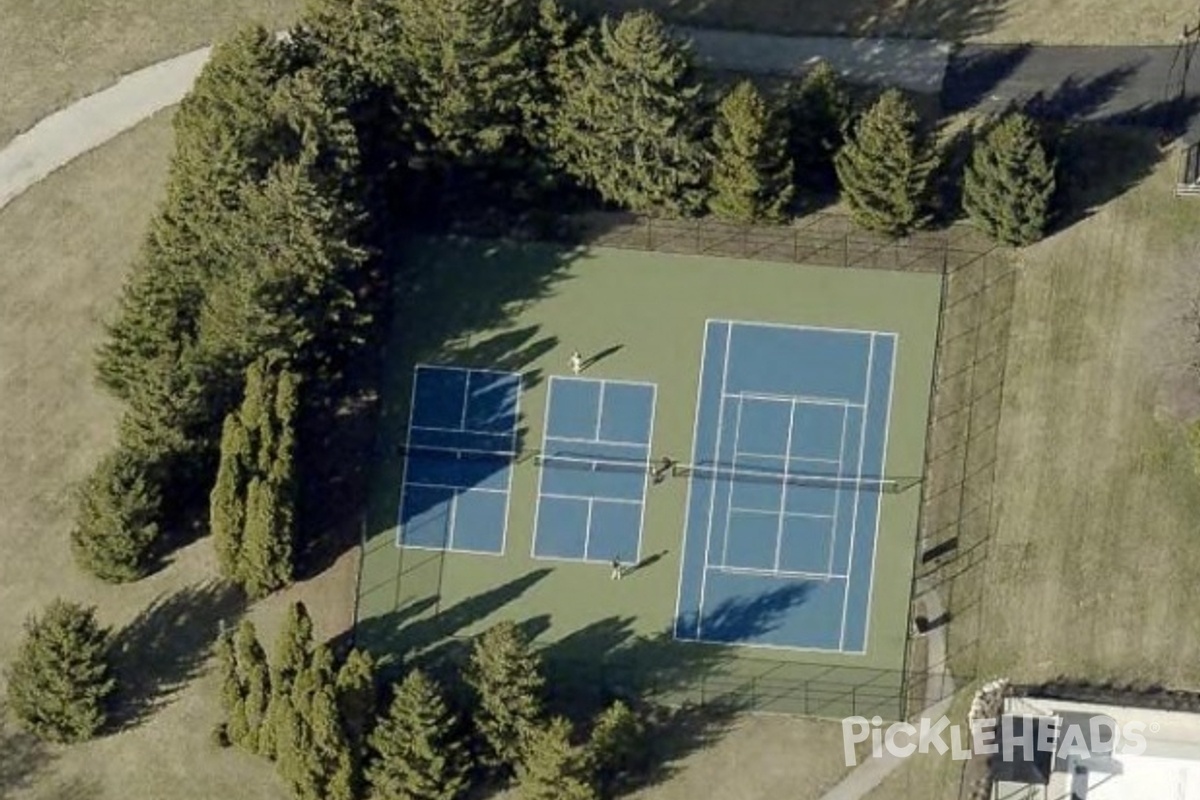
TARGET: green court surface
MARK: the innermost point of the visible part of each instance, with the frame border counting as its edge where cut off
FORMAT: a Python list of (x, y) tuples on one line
[(525, 308)]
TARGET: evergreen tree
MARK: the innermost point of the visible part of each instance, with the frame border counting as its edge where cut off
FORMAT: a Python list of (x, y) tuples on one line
[(221, 135), (289, 289), (357, 698), (628, 125), (819, 113), (252, 506), (414, 752), (116, 517), (227, 503), (507, 680), (59, 681), (292, 655), (618, 747), (245, 685), (1008, 185), (552, 768), (313, 754), (884, 167), (752, 174)]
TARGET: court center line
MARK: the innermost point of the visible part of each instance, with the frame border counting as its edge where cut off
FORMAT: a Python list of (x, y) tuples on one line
[(783, 492), (712, 498), (737, 435), (857, 494)]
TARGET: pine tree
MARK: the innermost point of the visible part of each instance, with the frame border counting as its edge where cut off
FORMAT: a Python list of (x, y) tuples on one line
[(1008, 185), (116, 517), (819, 113), (414, 752), (245, 685), (59, 681), (292, 655), (752, 174), (227, 503), (252, 506), (884, 168), (314, 756), (617, 747), (507, 680), (551, 768), (628, 124), (357, 698)]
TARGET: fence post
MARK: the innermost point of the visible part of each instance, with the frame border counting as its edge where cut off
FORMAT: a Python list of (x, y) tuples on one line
[(650, 233), (795, 245)]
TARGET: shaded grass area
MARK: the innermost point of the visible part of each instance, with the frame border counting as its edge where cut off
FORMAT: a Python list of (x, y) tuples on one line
[(68, 243), (52, 53)]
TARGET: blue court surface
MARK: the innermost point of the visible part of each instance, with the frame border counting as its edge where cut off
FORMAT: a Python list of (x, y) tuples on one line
[(462, 438), (784, 496), (595, 468)]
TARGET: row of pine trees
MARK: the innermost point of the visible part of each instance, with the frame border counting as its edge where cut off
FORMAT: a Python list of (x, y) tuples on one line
[(298, 162), (334, 736)]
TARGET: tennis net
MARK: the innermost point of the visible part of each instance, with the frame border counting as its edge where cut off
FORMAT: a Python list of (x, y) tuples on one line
[(745, 474)]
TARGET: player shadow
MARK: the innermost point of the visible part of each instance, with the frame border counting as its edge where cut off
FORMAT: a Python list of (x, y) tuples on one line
[(648, 561), (166, 645), (607, 352)]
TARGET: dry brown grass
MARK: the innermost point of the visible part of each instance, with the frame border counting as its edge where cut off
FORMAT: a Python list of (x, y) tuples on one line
[(56, 51), (68, 243)]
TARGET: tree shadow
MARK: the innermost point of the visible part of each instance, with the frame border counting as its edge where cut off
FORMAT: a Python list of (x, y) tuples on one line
[(422, 629), (920, 19), (23, 757), (974, 72), (166, 645)]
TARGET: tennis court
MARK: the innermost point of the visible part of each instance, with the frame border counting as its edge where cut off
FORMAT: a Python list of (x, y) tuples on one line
[(462, 437), (595, 465), (786, 483)]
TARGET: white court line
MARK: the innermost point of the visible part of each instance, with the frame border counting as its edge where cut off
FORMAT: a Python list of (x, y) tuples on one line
[(453, 368), (459, 489), (785, 574), (862, 442), (791, 327), (509, 467), (581, 440), (785, 514), (585, 379), (737, 435), (713, 499), (589, 498), (811, 400), (687, 510), (444, 550), (587, 527), (783, 492), (837, 497), (471, 450), (450, 522), (887, 429), (412, 402), (537, 506), (646, 479), (599, 414), (466, 398)]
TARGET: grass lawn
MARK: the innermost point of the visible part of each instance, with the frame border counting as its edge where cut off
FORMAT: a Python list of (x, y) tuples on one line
[(68, 243), (55, 51)]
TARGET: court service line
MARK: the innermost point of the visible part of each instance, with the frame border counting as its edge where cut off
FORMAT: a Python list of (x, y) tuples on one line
[(783, 490), (590, 498), (713, 499), (687, 511), (887, 430), (737, 436), (766, 513), (785, 574), (862, 443), (459, 489), (812, 400)]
